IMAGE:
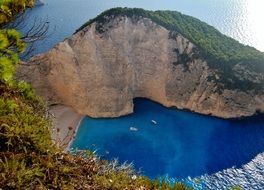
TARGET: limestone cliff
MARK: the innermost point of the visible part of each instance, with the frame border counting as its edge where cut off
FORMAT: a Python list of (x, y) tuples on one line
[(103, 67)]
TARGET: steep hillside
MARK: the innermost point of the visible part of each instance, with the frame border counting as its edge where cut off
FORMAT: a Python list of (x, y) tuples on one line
[(165, 56), (29, 159)]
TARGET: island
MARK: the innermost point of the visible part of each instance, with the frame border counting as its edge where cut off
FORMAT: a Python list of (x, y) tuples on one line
[(165, 56), (120, 55)]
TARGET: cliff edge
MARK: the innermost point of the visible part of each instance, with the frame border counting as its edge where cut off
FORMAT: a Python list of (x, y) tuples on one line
[(127, 53)]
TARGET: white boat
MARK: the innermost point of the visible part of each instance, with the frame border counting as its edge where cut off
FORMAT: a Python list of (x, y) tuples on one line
[(133, 129), (154, 122)]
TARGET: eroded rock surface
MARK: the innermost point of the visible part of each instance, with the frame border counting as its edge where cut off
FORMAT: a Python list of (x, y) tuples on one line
[(102, 68)]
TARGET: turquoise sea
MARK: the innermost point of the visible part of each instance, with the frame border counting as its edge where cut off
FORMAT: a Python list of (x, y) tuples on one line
[(182, 144)]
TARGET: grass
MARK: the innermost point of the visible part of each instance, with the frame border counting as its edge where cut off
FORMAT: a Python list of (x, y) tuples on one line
[(30, 160)]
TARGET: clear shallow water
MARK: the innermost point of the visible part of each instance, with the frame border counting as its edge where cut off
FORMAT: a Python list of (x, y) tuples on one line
[(182, 144), (240, 19)]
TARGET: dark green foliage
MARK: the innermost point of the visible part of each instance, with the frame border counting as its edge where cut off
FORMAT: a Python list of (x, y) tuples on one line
[(162, 184), (183, 59), (10, 45), (220, 51), (30, 160), (120, 180), (213, 44), (23, 126), (28, 157), (10, 8)]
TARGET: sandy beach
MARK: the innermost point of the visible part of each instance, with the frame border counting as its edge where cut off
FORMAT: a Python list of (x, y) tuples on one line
[(65, 124)]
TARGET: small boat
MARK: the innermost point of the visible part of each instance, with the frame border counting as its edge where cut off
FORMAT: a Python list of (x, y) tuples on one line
[(154, 122), (133, 129)]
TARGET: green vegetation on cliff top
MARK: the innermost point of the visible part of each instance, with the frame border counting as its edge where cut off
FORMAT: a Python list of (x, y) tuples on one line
[(29, 159), (220, 51), (212, 43)]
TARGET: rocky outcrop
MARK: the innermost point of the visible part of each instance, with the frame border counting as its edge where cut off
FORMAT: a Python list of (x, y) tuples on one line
[(102, 68)]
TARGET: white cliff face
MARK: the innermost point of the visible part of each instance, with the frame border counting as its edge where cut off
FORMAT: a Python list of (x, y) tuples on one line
[(101, 69)]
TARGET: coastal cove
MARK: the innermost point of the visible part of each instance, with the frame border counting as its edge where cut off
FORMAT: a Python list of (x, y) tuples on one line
[(180, 144), (189, 74), (132, 95)]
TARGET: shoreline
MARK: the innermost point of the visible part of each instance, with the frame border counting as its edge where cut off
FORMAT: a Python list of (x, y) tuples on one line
[(67, 148), (64, 117), (65, 124)]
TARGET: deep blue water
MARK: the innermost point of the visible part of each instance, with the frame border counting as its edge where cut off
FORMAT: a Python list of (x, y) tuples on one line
[(182, 144), (240, 19)]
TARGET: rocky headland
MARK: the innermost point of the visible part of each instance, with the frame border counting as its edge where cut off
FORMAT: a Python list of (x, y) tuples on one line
[(120, 56)]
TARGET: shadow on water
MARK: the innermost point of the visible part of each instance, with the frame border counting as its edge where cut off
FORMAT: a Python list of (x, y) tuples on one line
[(181, 144)]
